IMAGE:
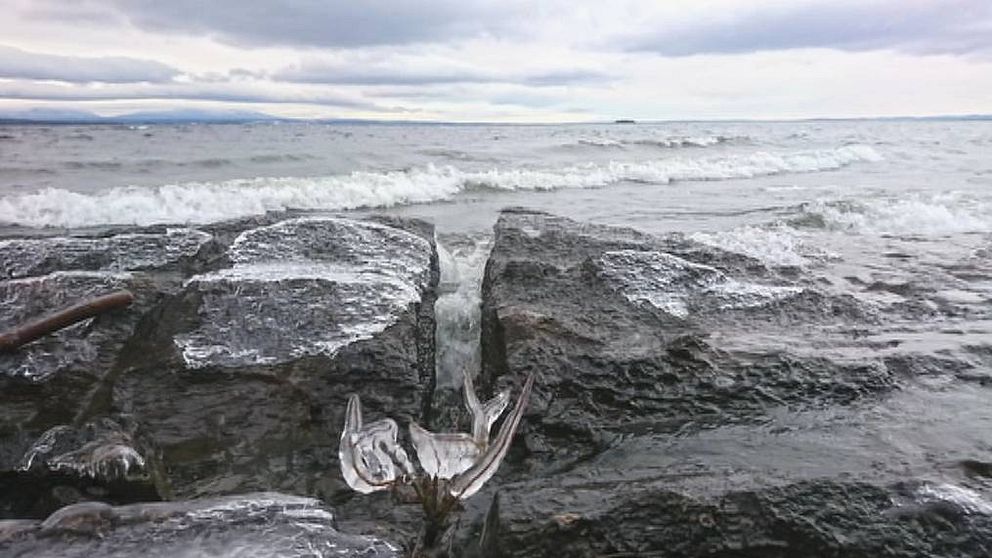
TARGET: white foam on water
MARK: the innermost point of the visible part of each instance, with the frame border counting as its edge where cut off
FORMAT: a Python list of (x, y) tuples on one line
[(775, 246), (458, 312), (683, 141), (600, 142), (969, 500), (935, 215), (205, 202)]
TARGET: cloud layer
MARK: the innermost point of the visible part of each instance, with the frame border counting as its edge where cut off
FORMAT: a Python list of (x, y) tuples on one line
[(19, 64), (509, 59)]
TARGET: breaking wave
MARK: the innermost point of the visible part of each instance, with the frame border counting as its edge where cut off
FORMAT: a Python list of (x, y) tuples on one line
[(914, 216), (673, 142), (775, 246), (204, 202)]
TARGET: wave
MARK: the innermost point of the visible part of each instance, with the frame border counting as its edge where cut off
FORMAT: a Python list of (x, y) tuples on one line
[(204, 202), (597, 142), (673, 142), (699, 141), (914, 216), (775, 246)]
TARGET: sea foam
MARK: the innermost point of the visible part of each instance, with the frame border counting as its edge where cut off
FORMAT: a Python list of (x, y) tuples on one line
[(935, 215), (205, 202), (775, 245)]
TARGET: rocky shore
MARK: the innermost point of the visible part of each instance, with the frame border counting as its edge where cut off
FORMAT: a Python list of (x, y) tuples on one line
[(689, 401)]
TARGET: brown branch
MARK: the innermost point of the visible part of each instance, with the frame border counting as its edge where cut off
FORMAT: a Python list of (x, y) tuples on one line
[(19, 336)]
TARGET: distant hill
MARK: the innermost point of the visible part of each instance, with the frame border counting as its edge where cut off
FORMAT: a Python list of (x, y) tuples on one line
[(49, 115), (193, 115), (57, 116), (178, 116)]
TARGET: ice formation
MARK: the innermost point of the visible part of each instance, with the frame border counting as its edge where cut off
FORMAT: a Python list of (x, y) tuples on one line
[(371, 458)]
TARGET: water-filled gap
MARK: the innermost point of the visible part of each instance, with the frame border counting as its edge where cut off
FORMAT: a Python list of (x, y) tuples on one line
[(458, 314)]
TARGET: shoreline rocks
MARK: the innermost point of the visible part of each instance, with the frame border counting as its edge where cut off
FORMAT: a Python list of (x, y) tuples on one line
[(231, 369), (695, 402), (258, 524), (689, 401)]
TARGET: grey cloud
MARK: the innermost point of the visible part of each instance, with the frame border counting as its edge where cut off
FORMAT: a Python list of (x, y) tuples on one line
[(395, 73), (184, 92), (19, 64), (515, 96), (318, 22), (920, 26), (77, 12), (568, 77), (524, 100), (359, 74)]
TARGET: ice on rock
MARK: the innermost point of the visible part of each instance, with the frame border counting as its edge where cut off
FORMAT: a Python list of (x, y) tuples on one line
[(314, 286), (23, 257), (99, 450), (257, 524), (677, 286)]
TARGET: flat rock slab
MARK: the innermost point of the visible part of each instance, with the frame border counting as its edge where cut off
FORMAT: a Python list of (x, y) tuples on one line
[(260, 524), (312, 285)]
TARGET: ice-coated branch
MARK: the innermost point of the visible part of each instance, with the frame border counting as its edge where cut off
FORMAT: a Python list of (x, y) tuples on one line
[(469, 482), (453, 465), (26, 333), (483, 415)]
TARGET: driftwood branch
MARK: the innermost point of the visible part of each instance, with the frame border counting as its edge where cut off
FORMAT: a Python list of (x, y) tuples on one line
[(19, 336)]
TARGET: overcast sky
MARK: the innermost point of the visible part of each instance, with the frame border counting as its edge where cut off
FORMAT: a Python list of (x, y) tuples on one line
[(501, 60)]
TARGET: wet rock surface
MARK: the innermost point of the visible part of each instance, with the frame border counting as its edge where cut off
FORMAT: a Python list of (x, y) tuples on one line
[(689, 400), (696, 402), (259, 524), (51, 389), (230, 371), (630, 332)]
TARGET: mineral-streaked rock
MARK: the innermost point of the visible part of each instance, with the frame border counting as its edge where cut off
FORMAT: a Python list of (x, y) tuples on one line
[(31, 257), (232, 367), (246, 374), (304, 287), (261, 524)]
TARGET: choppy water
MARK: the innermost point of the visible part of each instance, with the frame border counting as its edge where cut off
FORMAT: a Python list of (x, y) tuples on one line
[(896, 213), (862, 201)]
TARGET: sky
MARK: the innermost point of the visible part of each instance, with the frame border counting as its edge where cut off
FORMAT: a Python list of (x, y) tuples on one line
[(505, 60)]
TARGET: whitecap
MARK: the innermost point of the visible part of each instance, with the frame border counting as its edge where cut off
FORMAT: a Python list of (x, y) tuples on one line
[(205, 202)]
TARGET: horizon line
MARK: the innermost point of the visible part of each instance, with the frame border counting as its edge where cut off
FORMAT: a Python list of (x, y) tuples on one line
[(222, 118)]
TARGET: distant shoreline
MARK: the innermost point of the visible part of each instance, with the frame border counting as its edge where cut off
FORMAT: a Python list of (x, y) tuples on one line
[(127, 121)]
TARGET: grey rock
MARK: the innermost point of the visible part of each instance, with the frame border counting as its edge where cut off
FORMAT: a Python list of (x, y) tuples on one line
[(260, 524), (626, 331), (812, 519), (231, 370), (124, 251), (246, 373), (696, 402)]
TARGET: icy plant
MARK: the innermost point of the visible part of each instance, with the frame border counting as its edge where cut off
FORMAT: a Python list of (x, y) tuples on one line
[(453, 466)]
